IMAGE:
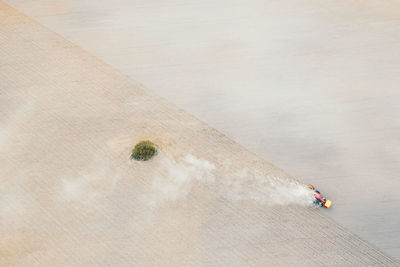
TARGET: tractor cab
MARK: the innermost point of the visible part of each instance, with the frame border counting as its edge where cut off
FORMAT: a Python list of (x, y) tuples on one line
[(319, 199)]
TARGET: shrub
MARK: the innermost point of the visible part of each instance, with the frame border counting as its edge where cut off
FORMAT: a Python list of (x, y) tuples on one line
[(144, 150)]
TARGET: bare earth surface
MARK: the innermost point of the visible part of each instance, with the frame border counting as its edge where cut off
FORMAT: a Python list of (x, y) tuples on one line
[(70, 196), (311, 86)]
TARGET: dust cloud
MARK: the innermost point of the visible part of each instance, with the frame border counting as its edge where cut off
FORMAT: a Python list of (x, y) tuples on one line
[(269, 190), (177, 178), (94, 183)]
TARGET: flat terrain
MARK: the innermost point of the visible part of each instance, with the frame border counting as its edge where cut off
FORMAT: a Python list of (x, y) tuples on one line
[(70, 196), (311, 86)]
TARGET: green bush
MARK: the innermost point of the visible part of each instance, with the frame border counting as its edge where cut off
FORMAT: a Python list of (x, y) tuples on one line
[(144, 150)]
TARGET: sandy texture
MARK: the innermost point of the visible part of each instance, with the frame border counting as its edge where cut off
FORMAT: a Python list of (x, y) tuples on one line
[(70, 196)]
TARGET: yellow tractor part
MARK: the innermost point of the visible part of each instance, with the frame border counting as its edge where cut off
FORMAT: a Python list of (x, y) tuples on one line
[(328, 204)]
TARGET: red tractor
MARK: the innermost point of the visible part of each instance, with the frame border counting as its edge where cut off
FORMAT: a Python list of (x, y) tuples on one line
[(319, 199)]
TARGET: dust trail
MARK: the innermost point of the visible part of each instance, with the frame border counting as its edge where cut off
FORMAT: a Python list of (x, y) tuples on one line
[(177, 178), (269, 190), (95, 182), (174, 179), (286, 192)]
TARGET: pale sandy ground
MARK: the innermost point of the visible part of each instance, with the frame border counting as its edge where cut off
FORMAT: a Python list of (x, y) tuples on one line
[(311, 86), (71, 197)]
